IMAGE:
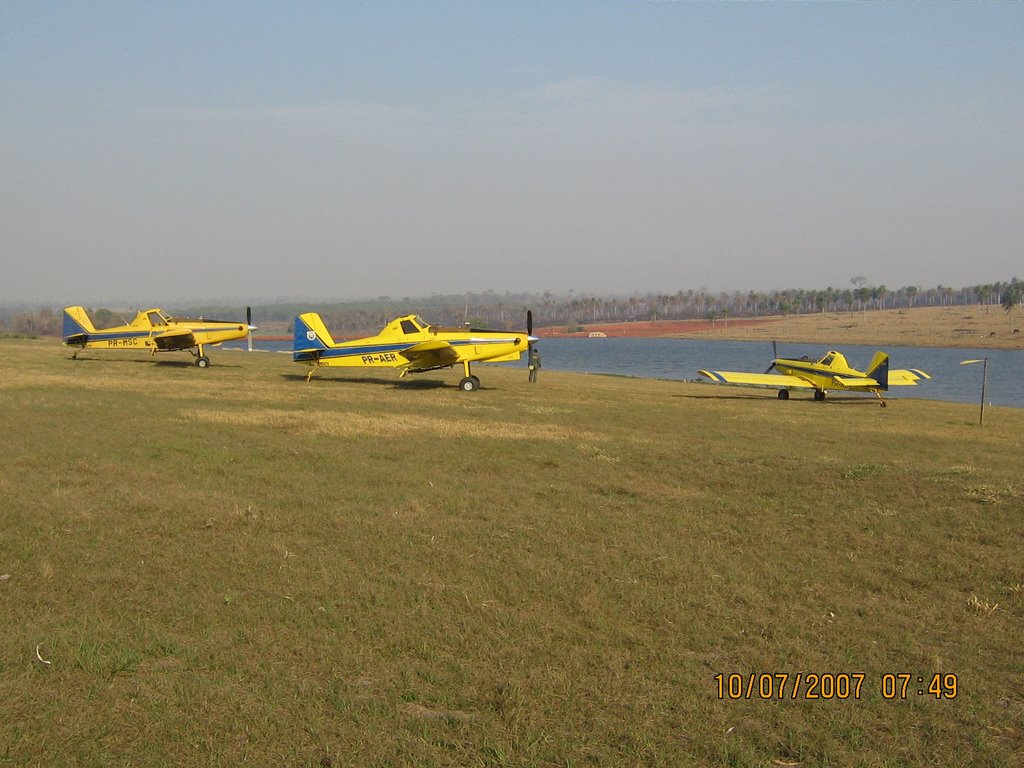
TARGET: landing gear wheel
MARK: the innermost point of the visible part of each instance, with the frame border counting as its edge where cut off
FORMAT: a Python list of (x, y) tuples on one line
[(469, 384), (819, 395), (202, 361), (783, 394)]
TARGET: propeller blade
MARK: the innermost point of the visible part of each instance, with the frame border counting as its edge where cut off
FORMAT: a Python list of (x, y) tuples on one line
[(248, 323), (775, 356), (529, 322)]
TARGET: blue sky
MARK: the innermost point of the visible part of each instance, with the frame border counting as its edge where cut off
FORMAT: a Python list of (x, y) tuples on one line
[(163, 152)]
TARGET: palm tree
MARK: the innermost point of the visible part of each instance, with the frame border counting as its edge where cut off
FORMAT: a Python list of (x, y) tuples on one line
[(1012, 296)]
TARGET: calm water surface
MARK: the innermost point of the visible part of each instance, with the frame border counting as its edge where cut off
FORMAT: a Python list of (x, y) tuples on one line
[(680, 359)]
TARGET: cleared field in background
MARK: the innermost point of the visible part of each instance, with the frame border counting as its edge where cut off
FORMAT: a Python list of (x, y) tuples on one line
[(234, 566), (968, 326)]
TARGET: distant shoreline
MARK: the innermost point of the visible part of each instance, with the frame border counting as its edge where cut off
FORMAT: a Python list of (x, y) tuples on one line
[(988, 327)]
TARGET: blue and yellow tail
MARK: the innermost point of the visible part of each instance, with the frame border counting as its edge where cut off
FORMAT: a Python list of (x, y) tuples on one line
[(77, 326), (878, 369), (311, 338)]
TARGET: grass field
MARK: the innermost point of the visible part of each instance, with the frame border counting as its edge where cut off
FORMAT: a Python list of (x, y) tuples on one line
[(232, 566)]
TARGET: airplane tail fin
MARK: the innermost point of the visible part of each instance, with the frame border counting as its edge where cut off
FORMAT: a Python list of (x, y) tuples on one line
[(77, 325), (311, 337), (878, 369)]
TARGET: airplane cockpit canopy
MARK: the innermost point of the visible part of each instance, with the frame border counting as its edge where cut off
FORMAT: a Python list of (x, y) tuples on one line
[(152, 317), (414, 324)]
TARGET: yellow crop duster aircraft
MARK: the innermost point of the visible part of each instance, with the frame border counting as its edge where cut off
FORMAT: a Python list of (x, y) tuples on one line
[(156, 331), (830, 372), (411, 345)]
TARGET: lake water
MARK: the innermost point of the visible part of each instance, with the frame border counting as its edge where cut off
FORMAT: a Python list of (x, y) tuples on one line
[(680, 359)]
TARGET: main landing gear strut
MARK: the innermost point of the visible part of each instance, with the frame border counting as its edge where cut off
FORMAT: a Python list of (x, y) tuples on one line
[(202, 361), (469, 382)]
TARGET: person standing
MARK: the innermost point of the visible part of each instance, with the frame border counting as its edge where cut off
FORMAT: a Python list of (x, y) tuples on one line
[(534, 361)]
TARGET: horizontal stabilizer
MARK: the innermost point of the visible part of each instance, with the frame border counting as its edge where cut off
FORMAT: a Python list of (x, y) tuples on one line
[(907, 378)]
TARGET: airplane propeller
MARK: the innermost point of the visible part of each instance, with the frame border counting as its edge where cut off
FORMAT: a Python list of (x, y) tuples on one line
[(250, 326), (775, 356), (529, 328)]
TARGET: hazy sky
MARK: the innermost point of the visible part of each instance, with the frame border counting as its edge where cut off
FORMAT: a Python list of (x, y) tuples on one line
[(156, 152)]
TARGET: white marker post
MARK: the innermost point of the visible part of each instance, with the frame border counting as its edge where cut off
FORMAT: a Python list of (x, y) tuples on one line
[(984, 383)]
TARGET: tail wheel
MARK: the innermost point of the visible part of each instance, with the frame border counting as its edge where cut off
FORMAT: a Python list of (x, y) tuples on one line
[(469, 384)]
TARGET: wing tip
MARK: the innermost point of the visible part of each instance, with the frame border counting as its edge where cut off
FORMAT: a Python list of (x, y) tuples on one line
[(712, 375)]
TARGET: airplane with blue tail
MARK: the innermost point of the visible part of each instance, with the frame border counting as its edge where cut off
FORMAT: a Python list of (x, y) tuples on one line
[(411, 345)]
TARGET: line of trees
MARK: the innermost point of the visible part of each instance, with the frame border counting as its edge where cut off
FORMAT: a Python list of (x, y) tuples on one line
[(490, 309)]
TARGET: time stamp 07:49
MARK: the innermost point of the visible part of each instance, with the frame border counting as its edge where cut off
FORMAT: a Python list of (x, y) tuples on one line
[(809, 686)]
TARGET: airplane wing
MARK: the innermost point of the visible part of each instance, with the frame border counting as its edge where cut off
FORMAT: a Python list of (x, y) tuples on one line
[(430, 354), (766, 380), (175, 338), (906, 378)]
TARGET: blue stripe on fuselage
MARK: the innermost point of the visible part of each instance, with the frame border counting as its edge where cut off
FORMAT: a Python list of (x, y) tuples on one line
[(119, 335), (376, 349)]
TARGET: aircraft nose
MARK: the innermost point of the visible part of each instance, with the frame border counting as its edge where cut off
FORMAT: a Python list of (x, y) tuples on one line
[(253, 327), (532, 339)]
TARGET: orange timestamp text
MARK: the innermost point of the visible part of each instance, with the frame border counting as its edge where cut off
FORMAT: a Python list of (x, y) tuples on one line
[(809, 686)]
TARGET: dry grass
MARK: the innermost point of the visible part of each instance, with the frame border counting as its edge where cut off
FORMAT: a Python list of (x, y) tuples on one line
[(234, 566), (971, 326)]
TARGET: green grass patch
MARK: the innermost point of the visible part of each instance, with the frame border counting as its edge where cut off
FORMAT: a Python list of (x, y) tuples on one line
[(235, 566)]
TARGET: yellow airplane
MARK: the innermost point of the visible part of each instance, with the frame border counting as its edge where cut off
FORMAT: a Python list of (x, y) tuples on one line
[(154, 330), (830, 372), (411, 345)]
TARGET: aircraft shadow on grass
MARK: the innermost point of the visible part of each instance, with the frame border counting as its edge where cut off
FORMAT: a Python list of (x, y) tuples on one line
[(421, 384), (752, 396), (148, 361)]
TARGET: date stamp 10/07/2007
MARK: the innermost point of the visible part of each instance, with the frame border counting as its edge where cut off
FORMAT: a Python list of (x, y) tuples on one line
[(830, 686)]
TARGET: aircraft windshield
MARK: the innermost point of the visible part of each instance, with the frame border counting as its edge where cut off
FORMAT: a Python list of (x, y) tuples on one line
[(420, 322), (155, 318)]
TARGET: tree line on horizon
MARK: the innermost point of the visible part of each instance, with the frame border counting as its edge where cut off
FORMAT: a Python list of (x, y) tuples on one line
[(508, 310)]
